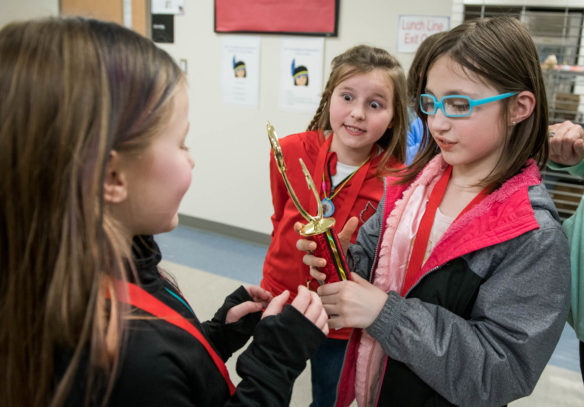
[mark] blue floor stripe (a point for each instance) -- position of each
(214, 253)
(243, 261)
(566, 353)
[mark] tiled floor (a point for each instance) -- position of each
(208, 266)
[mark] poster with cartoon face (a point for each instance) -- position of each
(299, 74)
(240, 70)
(301, 68)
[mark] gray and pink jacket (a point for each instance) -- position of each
(482, 317)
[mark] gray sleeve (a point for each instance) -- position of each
(361, 254)
(498, 355)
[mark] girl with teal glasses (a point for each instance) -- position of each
(460, 282)
(456, 105)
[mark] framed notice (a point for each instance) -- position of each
(303, 17)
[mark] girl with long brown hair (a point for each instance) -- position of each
(93, 162)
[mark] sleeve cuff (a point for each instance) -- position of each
(386, 319)
(577, 169)
(237, 297)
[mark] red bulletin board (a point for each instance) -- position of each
(306, 17)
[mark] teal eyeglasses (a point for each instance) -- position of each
(456, 105)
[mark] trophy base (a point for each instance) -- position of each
(328, 247)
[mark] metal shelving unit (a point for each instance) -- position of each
(557, 33)
(565, 189)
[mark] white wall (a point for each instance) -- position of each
(11, 10)
(229, 143)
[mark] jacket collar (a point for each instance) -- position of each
(146, 258)
(503, 215)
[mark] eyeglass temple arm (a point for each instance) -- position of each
(491, 99)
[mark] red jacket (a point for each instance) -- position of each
(283, 267)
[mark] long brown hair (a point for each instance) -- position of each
(414, 73)
(72, 90)
(500, 51)
(362, 59)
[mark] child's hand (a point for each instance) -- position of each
(310, 305)
(277, 304)
(352, 303)
(306, 302)
(260, 299)
(311, 260)
(566, 143)
(260, 295)
(309, 246)
(345, 234)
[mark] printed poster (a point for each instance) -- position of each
(240, 70)
(301, 70)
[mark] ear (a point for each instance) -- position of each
(115, 189)
(521, 107)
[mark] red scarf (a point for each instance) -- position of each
(140, 298)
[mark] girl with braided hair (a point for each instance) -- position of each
(357, 135)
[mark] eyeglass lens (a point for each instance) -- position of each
(452, 105)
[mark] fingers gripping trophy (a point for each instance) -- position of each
(318, 228)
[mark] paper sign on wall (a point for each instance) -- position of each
(301, 74)
(168, 7)
(240, 66)
(412, 30)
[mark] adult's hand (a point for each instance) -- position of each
(566, 143)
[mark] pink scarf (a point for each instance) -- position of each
(394, 253)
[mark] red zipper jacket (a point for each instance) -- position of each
(283, 267)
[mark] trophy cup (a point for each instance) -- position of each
(319, 228)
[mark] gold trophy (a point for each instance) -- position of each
(318, 228)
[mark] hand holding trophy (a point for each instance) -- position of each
(319, 228)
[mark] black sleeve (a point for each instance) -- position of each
(277, 355)
(227, 338)
(162, 365)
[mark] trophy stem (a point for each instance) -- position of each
(318, 227)
(280, 163)
(329, 248)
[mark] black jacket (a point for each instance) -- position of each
(163, 365)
